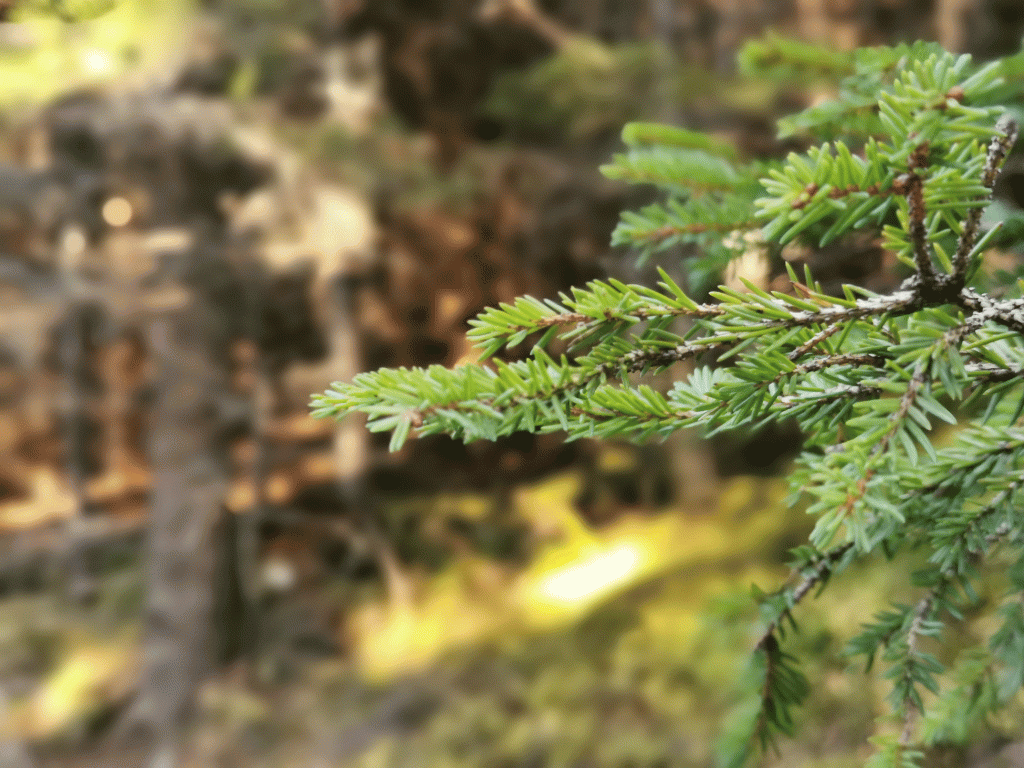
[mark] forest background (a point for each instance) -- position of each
(209, 211)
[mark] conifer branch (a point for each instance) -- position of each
(865, 376)
(674, 230)
(933, 599)
(848, 391)
(983, 374)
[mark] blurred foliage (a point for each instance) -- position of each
(86, 43)
(389, 163)
(588, 89)
(631, 677)
(65, 668)
(270, 15)
(792, 61)
(636, 678)
(92, 674)
(72, 10)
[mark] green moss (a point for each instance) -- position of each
(637, 678)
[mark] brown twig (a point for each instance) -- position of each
(814, 341)
(697, 228)
(911, 185)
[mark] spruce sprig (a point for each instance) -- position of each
(909, 152)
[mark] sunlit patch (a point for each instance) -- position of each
(575, 570)
(591, 577)
(88, 679)
(97, 62)
(74, 242)
(117, 212)
(48, 501)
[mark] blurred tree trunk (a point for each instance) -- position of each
(74, 362)
(78, 583)
(186, 509)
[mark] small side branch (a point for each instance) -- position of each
(906, 403)
(639, 359)
(912, 186)
(845, 391)
(986, 373)
(1009, 313)
(911, 710)
(697, 228)
(815, 340)
(998, 148)
(830, 361)
(917, 380)
(783, 685)
(926, 607)
(819, 572)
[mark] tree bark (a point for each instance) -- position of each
(189, 487)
